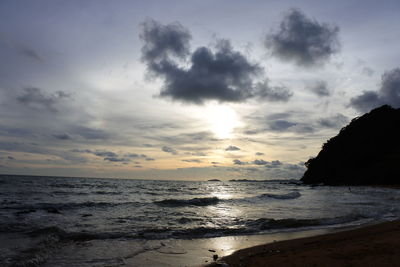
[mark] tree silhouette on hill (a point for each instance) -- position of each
(365, 152)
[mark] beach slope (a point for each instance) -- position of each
(376, 245)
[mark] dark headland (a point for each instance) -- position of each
(365, 152)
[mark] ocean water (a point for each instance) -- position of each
(109, 222)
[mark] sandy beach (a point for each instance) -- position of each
(375, 245)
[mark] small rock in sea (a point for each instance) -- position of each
(162, 244)
(215, 257)
(211, 250)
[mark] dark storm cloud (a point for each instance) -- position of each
(303, 40)
(320, 88)
(388, 93)
(224, 74)
(232, 148)
(34, 98)
(337, 121)
(169, 150)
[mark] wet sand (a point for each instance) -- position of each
(376, 245)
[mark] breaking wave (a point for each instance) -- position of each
(205, 201)
(291, 195)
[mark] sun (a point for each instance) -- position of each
(222, 120)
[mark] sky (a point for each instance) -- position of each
(190, 90)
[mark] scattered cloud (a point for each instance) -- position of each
(280, 125)
(62, 136)
(303, 40)
(192, 160)
(239, 162)
(259, 154)
(336, 121)
(222, 74)
(260, 162)
(169, 150)
(163, 41)
(232, 148)
(114, 159)
(34, 98)
(320, 88)
(388, 93)
(30, 53)
(367, 71)
(273, 164)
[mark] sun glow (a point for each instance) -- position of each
(222, 120)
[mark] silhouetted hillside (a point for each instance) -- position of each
(367, 151)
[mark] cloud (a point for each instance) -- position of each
(302, 40)
(62, 136)
(163, 41)
(337, 121)
(273, 94)
(134, 155)
(192, 160)
(273, 164)
(239, 162)
(280, 125)
(169, 150)
(150, 159)
(320, 88)
(112, 156)
(114, 159)
(104, 154)
(34, 98)
(260, 162)
(367, 71)
(197, 153)
(259, 154)
(388, 93)
(222, 74)
(90, 133)
(30, 53)
(232, 148)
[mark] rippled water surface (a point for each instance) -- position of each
(51, 212)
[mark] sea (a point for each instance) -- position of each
(66, 221)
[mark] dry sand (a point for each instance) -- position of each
(376, 245)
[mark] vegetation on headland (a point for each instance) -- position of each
(365, 152)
